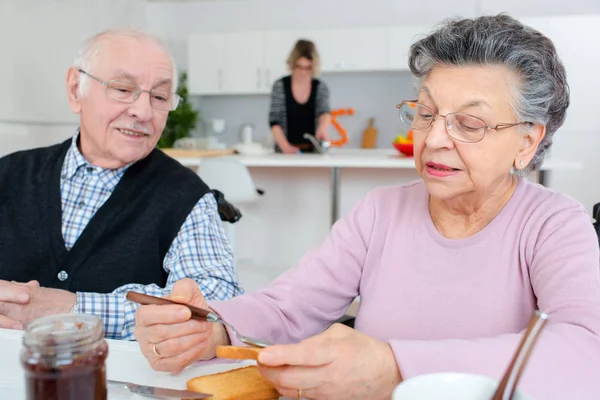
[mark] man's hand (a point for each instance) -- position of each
(169, 338)
(20, 303)
(338, 364)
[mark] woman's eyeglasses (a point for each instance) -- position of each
(462, 127)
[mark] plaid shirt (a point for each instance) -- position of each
(200, 251)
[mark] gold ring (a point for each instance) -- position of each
(299, 393)
(155, 352)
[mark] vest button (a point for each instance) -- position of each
(62, 276)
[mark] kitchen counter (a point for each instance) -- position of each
(348, 158)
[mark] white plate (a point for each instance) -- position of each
(125, 363)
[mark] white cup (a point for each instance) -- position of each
(449, 386)
(246, 134)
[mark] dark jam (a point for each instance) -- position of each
(65, 360)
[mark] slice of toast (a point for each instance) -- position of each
(238, 352)
(244, 383)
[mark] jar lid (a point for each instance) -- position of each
(63, 330)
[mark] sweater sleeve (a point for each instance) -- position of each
(277, 111)
(565, 276)
(322, 100)
(311, 296)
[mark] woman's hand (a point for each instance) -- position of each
(340, 363)
(169, 339)
(322, 135)
(289, 149)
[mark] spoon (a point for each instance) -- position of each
(508, 384)
(197, 313)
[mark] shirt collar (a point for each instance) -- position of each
(75, 161)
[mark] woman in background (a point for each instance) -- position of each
(300, 102)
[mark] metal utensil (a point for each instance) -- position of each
(321, 147)
(197, 313)
(158, 392)
(508, 384)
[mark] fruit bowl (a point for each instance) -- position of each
(404, 148)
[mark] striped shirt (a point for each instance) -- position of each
(278, 112)
(200, 250)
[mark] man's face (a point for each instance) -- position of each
(114, 133)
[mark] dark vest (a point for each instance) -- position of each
(124, 242)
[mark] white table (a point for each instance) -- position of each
(337, 159)
(125, 363)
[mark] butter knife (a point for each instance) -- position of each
(158, 392)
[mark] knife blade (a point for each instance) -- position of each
(158, 392)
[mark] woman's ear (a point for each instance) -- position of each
(529, 145)
(73, 90)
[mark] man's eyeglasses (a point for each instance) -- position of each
(462, 127)
(128, 92)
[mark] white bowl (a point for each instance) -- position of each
(449, 386)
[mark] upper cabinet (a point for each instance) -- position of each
(205, 63)
(250, 62)
(360, 49)
(243, 70)
(229, 63)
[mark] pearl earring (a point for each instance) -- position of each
(522, 163)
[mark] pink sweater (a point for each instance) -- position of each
(450, 304)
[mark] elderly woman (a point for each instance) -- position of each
(449, 269)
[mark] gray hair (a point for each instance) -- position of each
(91, 48)
(542, 95)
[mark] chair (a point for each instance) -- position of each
(233, 179)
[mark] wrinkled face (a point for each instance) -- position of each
(451, 168)
(303, 67)
(113, 133)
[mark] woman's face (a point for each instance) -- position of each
(451, 168)
(303, 67)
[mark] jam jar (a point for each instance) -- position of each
(64, 358)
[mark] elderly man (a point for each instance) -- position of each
(85, 221)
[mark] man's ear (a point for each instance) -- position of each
(73, 90)
(529, 145)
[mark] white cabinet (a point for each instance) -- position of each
(399, 40)
(205, 62)
(227, 63)
(242, 63)
(359, 49)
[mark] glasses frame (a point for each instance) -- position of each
(497, 127)
(304, 68)
(176, 98)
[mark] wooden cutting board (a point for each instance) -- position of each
(182, 153)
(369, 138)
